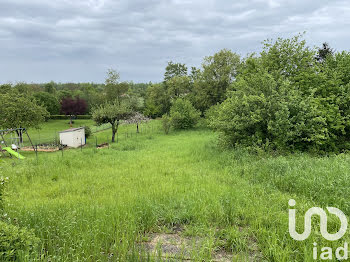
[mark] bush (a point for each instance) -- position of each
(67, 117)
(88, 131)
(263, 113)
(166, 123)
(16, 244)
(183, 115)
(3, 182)
(284, 100)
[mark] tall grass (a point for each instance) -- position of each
(100, 205)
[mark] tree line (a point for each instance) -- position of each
(287, 97)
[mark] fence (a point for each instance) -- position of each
(50, 138)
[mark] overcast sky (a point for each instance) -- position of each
(78, 40)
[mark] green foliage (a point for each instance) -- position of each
(48, 101)
(60, 117)
(183, 114)
(50, 87)
(157, 100)
(178, 86)
(19, 111)
(88, 131)
(174, 69)
(166, 123)
(5, 88)
(114, 89)
(284, 100)
(16, 244)
(219, 72)
(323, 52)
(112, 113)
(3, 182)
(222, 199)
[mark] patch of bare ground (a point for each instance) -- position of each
(104, 145)
(175, 247)
(41, 149)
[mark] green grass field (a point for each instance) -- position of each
(107, 204)
(49, 131)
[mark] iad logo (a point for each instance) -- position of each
(323, 226)
(326, 251)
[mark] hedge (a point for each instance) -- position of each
(60, 117)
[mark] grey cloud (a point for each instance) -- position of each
(78, 40)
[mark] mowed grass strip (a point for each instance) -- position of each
(101, 205)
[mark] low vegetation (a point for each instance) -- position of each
(98, 205)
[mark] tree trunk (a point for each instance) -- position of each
(137, 127)
(70, 122)
(114, 130)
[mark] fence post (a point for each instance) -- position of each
(36, 153)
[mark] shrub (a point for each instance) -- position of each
(183, 115)
(285, 100)
(88, 131)
(263, 113)
(16, 244)
(166, 123)
(65, 117)
(3, 182)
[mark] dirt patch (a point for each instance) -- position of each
(41, 149)
(174, 247)
(104, 145)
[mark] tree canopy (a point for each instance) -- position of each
(112, 112)
(19, 111)
(285, 100)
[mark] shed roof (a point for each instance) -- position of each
(71, 130)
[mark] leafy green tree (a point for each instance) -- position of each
(178, 86)
(19, 111)
(285, 100)
(157, 100)
(5, 88)
(195, 73)
(112, 112)
(48, 101)
(114, 89)
(323, 52)
(23, 88)
(219, 71)
(261, 112)
(64, 93)
(174, 69)
(50, 87)
(183, 115)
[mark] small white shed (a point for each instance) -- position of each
(73, 137)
